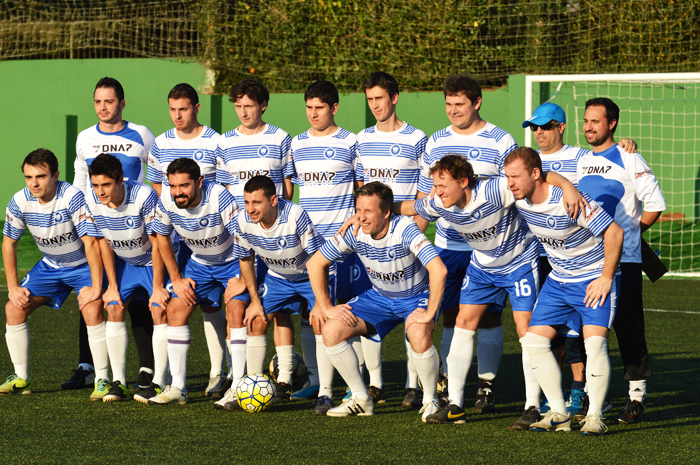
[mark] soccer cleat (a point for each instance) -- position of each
(348, 395)
(81, 379)
(544, 406)
(377, 394)
(284, 392)
(361, 408)
(307, 392)
(228, 402)
(215, 384)
(450, 413)
(631, 413)
(429, 409)
(484, 397)
(146, 394)
(573, 404)
(323, 405)
(552, 421)
(145, 380)
(411, 399)
(170, 395)
(593, 426)
(221, 392)
(14, 384)
(583, 411)
(102, 387)
(530, 416)
(116, 393)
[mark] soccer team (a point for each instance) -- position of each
(218, 229)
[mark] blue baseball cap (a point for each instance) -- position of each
(546, 113)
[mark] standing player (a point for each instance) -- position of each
(627, 189)
(584, 253)
(130, 143)
(57, 217)
(408, 280)
(200, 212)
(190, 139)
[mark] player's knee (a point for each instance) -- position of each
(596, 346)
(332, 333)
(536, 344)
(259, 327)
(115, 313)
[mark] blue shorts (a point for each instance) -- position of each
(131, 279)
(212, 280)
(456, 262)
(293, 306)
(56, 283)
(558, 302)
(384, 313)
(344, 277)
(276, 294)
(360, 280)
(521, 284)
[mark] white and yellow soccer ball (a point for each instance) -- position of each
(255, 392)
(300, 374)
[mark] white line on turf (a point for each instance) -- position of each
(658, 310)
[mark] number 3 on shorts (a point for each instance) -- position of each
(522, 288)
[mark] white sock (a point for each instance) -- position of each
(160, 353)
(532, 387)
(308, 350)
(325, 369)
(229, 360)
(373, 361)
(428, 368)
(117, 340)
(445, 344)
(256, 351)
(356, 343)
(461, 353)
(17, 337)
(344, 360)
(489, 348)
(98, 347)
(239, 339)
(638, 389)
(597, 372)
(546, 369)
(215, 332)
(178, 345)
(285, 363)
(411, 373)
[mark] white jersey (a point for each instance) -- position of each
(285, 247)
(240, 157)
(130, 145)
(168, 147)
(574, 245)
(56, 226)
(127, 228)
(324, 169)
(490, 224)
(563, 161)
(620, 182)
(485, 150)
(207, 228)
(393, 158)
(395, 263)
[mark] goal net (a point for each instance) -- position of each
(660, 113)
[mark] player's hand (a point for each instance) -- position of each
(343, 314)
(418, 316)
(88, 294)
(254, 310)
(184, 289)
(354, 220)
(234, 287)
(431, 196)
(597, 291)
(574, 201)
(160, 297)
(112, 295)
(628, 145)
(19, 296)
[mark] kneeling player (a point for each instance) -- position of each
(408, 281)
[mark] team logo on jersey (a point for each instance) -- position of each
(245, 175)
(356, 272)
(323, 178)
(473, 153)
(480, 236)
(551, 222)
(476, 215)
(198, 155)
(383, 173)
(55, 241)
(263, 151)
(280, 262)
(282, 242)
(556, 166)
(204, 222)
(57, 217)
(129, 244)
(395, 150)
(642, 173)
(130, 223)
(112, 148)
(390, 253)
(551, 243)
(329, 153)
(595, 169)
(203, 243)
(391, 277)
(8, 219)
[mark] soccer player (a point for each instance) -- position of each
(282, 235)
(408, 280)
(57, 217)
(627, 189)
(190, 139)
(322, 164)
(123, 212)
(390, 152)
(200, 212)
(130, 143)
(584, 253)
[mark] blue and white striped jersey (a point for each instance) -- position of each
(489, 223)
(56, 226)
(574, 245)
(395, 263)
(285, 247)
(240, 157)
(207, 228)
(393, 158)
(130, 145)
(168, 147)
(324, 169)
(620, 182)
(563, 161)
(128, 226)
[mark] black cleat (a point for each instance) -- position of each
(583, 411)
(484, 397)
(81, 379)
(448, 414)
(117, 393)
(631, 413)
(150, 392)
(411, 399)
(284, 392)
(221, 392)
(323, 405)
(530, 416)
(377, 394)
(145, 380)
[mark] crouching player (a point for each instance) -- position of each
(584, 252)
(408, 280)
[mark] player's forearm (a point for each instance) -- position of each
(158, 187)
(287, 189)
(406, 208)
(247, 265)
(108, 263)
(648, 219)
(557, 180)
(612, 249)
(157, 263)
(94, 259)
(317, 268)
(9, 259)
(168, 255)
(437, 272)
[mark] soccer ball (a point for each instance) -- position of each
(300, 374)
(255, 392)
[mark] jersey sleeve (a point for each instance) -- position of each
(289, 169)
(506, 194)
(337, 247)
(359, 169)
(222, 174)
(425, 182)
(414, 240)
(228, 209)
(594, 219)
(425, 208)
(286, 149)
(80, 167)
(506, 145)
(154, 173)
(241, 247)
(81, 216)
(420, 148)
(148, 211)
(162, 224)
(310, 240)
(148, 139)
(645, 184)
(14, 221)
